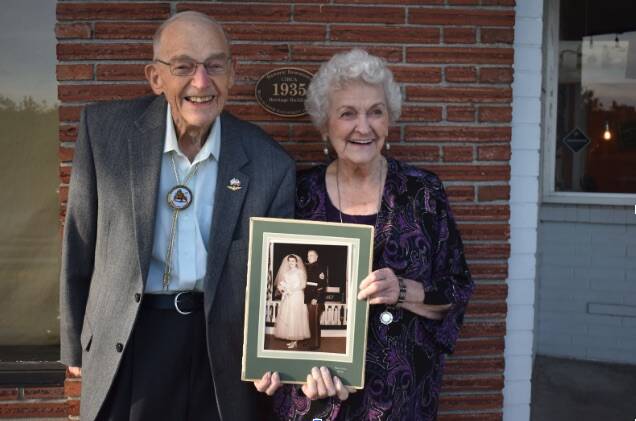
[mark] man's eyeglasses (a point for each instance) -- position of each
(187, 67)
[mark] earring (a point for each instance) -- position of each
(387, 146)
(326, 148)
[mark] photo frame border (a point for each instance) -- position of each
(295, 368)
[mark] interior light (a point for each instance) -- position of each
(607, 134)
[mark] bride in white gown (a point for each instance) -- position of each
(292, 322)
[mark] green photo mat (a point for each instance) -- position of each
(294, 365)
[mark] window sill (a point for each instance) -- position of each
(582, 198)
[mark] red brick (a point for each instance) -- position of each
(69, 113)
(497, 35)
(65, 173)
(305, 133)
(482, 213)
(490, 292)
(469, 366)
(415, 152)
(485, 231)
(420, 113)
(65, 153)
(495, 114)
(400, 2)
(72, 387)
(461, 193)
(329, 14)
(125, 30)
(323, 53)
(460, 113)
(494, 153)
(74, 71)
(68, 52)
(458, 154)
(393, 35)
(101, 92)
(488, 271)
(43, 393)
(280, 132)
(308, 152)
(72, 30)
(464, 17)
(457, 133)
(73, 407)
(460, 74)
(472, 172)
(252, 112)
(495, 75)
(481, 347)
(112, 11)
(481, 416)
(240, 12)
(417, 74)
(487, 251)
(455, 94)
(33, 410)
(67, 132)
(471, 403)
(130, 72)
(491, 193)
(483, 329)
(459, 55)
(62, 194)
(463, 2)
(455, 383)
(276, 32)
(261, 52)
(459, 35)
(498, 2)
(8, 393)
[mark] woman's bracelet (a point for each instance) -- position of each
(402, 294)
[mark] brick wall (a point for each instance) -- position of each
(454, 59)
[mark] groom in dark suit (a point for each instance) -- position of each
(156, 236)
(315, 291)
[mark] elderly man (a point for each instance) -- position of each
(156, 235)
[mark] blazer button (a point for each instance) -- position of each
(137, 297)
(119, 347)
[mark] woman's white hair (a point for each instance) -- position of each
(353, 66)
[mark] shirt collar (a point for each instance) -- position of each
(212, 145)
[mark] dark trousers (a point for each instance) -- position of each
(165, 372)
(315, 310)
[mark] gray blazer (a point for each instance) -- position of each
(108, 238)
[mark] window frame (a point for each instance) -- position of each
(550, 97)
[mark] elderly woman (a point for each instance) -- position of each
(420, 285)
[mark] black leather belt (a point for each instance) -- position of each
(183, 302)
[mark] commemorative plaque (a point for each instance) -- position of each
(282, 91)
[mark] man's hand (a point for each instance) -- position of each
(75, 371)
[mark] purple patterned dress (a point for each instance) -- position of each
(416, 236)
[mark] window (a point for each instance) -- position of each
(590, 113)
(29, 225)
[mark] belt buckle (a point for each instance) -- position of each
(176, 304)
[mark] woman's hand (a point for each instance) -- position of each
(320, 384)
(380, 287)
(268, 384)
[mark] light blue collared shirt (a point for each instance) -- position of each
(189, 254)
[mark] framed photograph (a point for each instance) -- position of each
(301, 306)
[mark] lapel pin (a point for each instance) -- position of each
(235, 184)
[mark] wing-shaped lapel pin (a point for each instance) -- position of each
(235, 184)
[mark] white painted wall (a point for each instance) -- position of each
(524, 204)
(586, 280)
